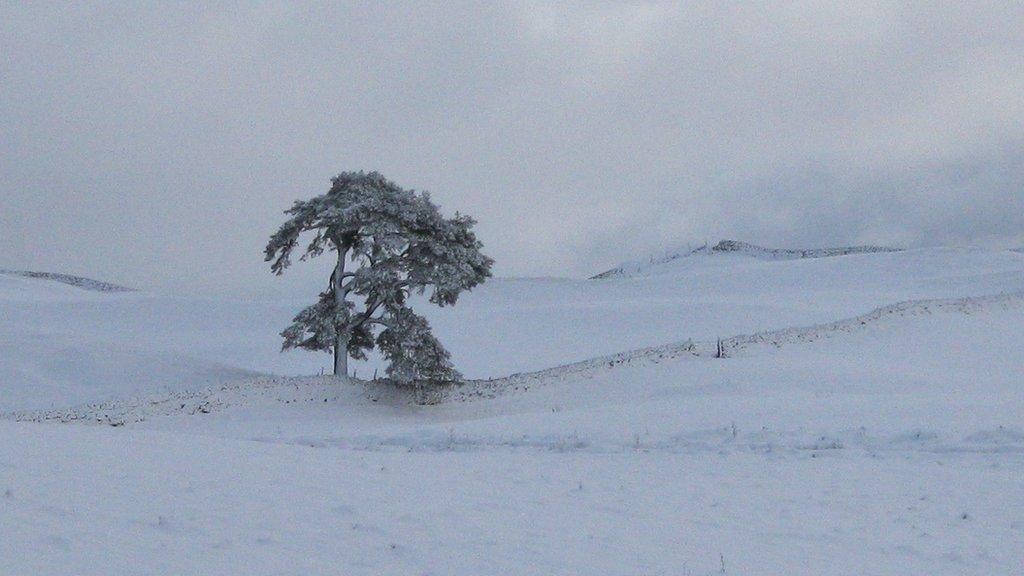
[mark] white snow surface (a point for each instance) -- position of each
(868, 418)
(57, 342)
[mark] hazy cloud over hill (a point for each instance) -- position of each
(157, 145)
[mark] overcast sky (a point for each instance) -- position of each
(157, 145)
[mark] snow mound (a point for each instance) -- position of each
(48, 370)
(738, 248)
(492, 388)
(76, 281)
(90, 342)
(271, 390)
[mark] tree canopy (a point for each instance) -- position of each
(390, 243)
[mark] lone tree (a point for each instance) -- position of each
(390, 243)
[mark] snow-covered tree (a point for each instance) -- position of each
(390, 243)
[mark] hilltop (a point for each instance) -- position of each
(738, 248)
(76, 281)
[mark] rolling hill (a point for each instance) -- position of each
(866, 416)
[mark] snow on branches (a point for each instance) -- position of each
(390, 243)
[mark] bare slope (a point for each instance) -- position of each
(76, 281)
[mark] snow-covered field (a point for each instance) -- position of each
(842, 434)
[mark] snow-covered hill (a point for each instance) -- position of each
(915, 333)
(736, 248)
(60, 343)
(63, 344)
(880, 445)
(510, 326)
(867, 417)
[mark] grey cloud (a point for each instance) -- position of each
(157, 146)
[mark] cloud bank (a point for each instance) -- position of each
(157, 146)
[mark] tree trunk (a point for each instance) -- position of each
(341, 339)
(340, 358)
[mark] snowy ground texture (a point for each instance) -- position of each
(868, 418)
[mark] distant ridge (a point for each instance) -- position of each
(76, 281)
(752, 250)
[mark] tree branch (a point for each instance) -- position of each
(366, 317)
(345, 288)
